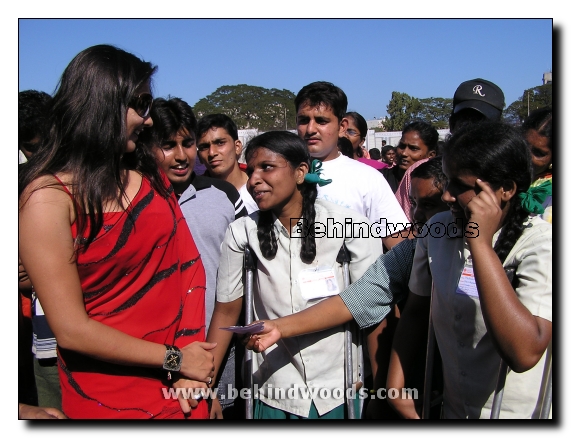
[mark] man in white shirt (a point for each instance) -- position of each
(321, 108)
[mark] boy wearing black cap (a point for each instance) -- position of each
(474, 101)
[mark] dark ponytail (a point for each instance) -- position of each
(498, 154)
(308, 249)
(295, 151)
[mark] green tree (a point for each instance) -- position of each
(436, 110)
(251, 107)
(538, 97)
(401, 109)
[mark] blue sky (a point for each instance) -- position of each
(367, 58)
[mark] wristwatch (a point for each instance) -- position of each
(173, 358)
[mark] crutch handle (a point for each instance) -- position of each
(249, 259)
(343, 256)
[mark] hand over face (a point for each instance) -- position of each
(485, 210)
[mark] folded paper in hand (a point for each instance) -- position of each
(243, 330)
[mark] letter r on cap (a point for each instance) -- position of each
(478, 90)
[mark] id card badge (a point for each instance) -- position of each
(467, 283)
(318, 282)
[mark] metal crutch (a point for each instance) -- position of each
(249, 267)
(503, 371)
(428, 371)
(344, 258)
(361, 362)
(499, 392)
(429, 368)
(545, 389)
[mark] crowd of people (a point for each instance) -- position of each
(131, 265)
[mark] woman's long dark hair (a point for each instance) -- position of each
(88, 135)
(498, 154)
(295, 151)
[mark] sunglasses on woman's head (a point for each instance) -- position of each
(142, 104)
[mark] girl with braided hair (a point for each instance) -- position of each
(296, 240)
(480, 315)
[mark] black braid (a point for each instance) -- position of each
(308, 248)
(266, 235)
(512, 230)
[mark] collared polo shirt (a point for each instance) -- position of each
(384, 284)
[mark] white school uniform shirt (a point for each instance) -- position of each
(314, 360)
(364, 189)
(470, 361)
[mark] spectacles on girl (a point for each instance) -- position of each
(142, 104)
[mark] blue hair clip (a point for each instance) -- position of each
(312, 177)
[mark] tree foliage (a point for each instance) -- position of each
(436, 110)
(539, 97)
(251, 107)
(403, 108)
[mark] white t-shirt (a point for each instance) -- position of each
(249, 202)
(364, 189)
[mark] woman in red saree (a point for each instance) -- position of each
(109, 253)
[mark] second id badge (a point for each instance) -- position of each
(318, 282)
(467, 283)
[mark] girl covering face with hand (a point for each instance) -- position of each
(480, 315)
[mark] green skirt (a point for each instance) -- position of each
(264, 412)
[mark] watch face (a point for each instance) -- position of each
(172, 361)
